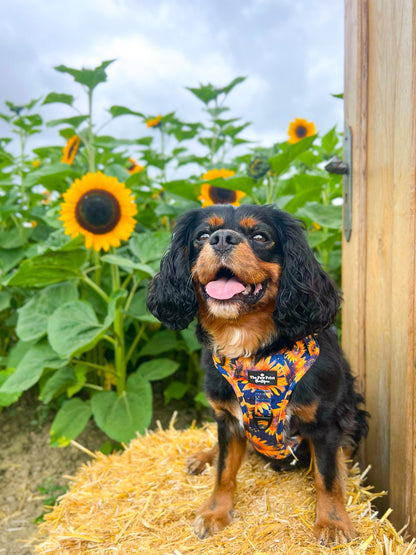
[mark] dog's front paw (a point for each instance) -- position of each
(197, 463)
(334, 532)
(211, 521)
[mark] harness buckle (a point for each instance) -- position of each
(262, 412)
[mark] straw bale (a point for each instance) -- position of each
(143, 501)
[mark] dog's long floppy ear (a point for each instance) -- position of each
(171, 297)
(307, 300)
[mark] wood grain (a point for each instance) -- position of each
(379, 261)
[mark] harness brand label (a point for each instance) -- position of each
(257, 377)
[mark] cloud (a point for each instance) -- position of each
(290, 51)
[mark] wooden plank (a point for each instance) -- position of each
(379, 262)
(380, 202)
(401, 387)
(354, 251)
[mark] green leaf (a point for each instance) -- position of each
(59, 97)
(106, 141)
(88, 77)
(206, 93)
(69, 422)
(114, 302)
(9, 259)
(160, 343)
(201, 398)
(138, 309)
(49, 268)
(326, 216)
(233, 131)
(12, 239)
(122, 416)
(128, 264)
(5, 299)
(301, 198)
(157, 368)
(17, 352)
(80, 372)
(33, 317)
(74, 328)
(27, 123)
(149, 246)
(330, 140)
(57, 384)
(117, 111)
(183, 188)
(29, 370)
(74, 121)
(48, 175)
(281, 162)
(189, 337)
(7, 399)
(233, 83)
(175, 390)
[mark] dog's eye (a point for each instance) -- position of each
(260, 237)
(203, 236)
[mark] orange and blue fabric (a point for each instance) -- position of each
(263, 388)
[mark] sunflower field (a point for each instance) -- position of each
(84, 223)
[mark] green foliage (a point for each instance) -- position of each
(74, 323)
(51, 493)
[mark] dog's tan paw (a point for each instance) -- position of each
(210, 522)
(334, 533)
(197, 463)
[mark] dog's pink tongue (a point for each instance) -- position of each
(224, 288)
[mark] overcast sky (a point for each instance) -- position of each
(290, 50)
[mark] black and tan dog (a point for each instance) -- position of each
(274, 371)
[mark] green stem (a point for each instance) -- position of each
(91, 149)
(127, 280)
(131, 294)
(118, 326)
(92, 386)
(215, 135)
(110, 339)
(93, 365)
(96, 287)
(162, 152)
(135, 342)
(97, 269)
(21, 162)
(17, 224)
(269, 189)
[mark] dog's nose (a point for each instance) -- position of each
(223, 240)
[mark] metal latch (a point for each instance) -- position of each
(344, 167)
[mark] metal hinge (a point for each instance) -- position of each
(344, 167)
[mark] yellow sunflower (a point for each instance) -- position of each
(133, 166)
(101, 209)
(36, 163)
(70, 149)
(218, 195)
(299, 129)
(154, 122)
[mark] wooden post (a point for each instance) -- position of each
(379, 261)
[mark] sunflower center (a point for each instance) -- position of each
(219, 195)
(98, 211)
(301, 131)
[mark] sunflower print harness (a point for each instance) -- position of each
(263, 389)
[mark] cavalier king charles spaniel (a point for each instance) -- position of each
(275, 374)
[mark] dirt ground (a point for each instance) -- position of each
(28, 463)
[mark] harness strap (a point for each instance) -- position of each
(263, 389)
